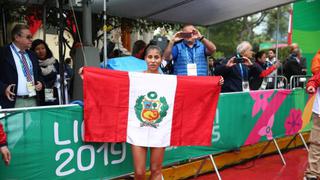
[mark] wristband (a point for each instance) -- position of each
(201, 38)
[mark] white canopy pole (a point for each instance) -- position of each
(277, 45)
(105, 27)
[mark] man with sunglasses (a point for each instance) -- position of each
(19, 71)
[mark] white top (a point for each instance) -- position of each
(22, 80)
(316, 104)
(273, 62)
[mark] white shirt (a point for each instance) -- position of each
(316, 104)
(22, 80)
(273, 62)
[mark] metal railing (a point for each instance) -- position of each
(299, 81)
(275, 82)
(66, 92)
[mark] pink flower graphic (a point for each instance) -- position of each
(264, 124)
(261, 100)
(267, 130)
(293, 122)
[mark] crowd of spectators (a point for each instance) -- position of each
(29, 72)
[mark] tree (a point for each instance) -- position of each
(271, 21)
(228, 35)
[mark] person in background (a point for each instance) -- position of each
(313, 169)
(237, 70)
(49, 70)
(68, 64)
(295, 64)
(188, 50)
(138, 49)
(211, 66)
(110, 47)
(272, 60)
(295, 49)
(6, 156)
(20, 79)
(116, 53)
(258, 79)
(271, 57)
(70, 72)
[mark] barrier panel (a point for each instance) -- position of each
(46, 143)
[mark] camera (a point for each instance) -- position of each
(185, 35)
(238, 59)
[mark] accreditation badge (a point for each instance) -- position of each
(280, 84)
(31, 89)
(192, 69)
(245, 86)
(264, 84)
(48, 94)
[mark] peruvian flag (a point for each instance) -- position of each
(151, 110)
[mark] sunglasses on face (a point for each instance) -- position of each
(29, 37)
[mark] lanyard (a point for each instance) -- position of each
(243, 72)
(21, 63)
(193, 55)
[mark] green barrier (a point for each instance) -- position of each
(46, 143)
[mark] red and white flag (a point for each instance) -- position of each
(290, 27)
(150, 110)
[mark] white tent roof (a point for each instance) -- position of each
(199, 12)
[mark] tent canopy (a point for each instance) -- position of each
(198, 12)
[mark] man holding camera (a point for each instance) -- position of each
(237, 70)
(188, 50)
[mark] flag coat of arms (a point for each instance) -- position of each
(150, 110)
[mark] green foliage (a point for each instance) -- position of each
(271, 21)
(218, 54)
(225, 36)
(228, 35)
(283, 53)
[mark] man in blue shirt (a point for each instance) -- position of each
(188, 50)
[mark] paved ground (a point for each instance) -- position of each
(266, 168)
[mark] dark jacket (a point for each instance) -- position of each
(293, 67)
(49, 82)
(260, 72)
(9, 74)
(255, 81)
(232, 76)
